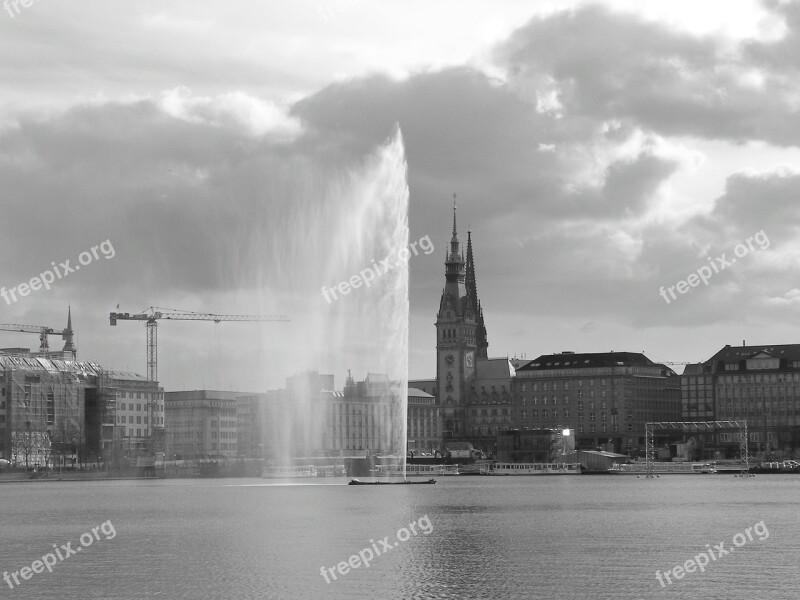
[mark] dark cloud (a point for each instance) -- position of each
(612, 65)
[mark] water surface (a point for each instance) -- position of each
(505, 537)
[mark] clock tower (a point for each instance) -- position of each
(460, 338)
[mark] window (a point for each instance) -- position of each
(591, 416)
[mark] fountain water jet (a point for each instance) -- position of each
(337, 227)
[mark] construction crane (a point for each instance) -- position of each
(153, 314)
(44, 332)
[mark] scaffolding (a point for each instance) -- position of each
(697, 426)
(107, 404)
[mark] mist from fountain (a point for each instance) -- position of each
(332, 226)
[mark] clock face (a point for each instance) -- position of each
(449, 360)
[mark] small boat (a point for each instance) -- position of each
(358, 482)
(532, 469)
(332, 471)
(298, 471)
(414, 470)
(663, 468)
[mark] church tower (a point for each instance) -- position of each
(458, 337)
(67, 335)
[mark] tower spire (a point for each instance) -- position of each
(67, 336)
(455, 230)
(475, 304)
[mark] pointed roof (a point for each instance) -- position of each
(472, 295)
(67, 335)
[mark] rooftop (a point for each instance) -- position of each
(588, 360)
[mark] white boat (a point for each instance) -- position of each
(332, 471)
(284, 472)
(415, 470)
(532, 469)
(663, 468)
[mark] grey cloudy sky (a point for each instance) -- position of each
(599, 152)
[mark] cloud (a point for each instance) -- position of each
(235, 110)
(612, 65)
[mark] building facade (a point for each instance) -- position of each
(424, 430)
(489, 405)
(201, 424)
(605, 398)
(73, 412)
(250, 439)
(139, 413)
(759, 384)
(310, 419)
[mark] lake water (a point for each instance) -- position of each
(591, 537)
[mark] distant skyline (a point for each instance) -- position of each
(601, 152)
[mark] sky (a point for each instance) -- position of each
(629, 171)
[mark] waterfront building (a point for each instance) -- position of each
(363, 416)
(201, 424)
(760, 384)
(250, 416)
(424, 432)
(606, 398)
(534, 445)
(73, 412)
(139, 413)
(489, 405)
(55, 409)
(309, 418)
